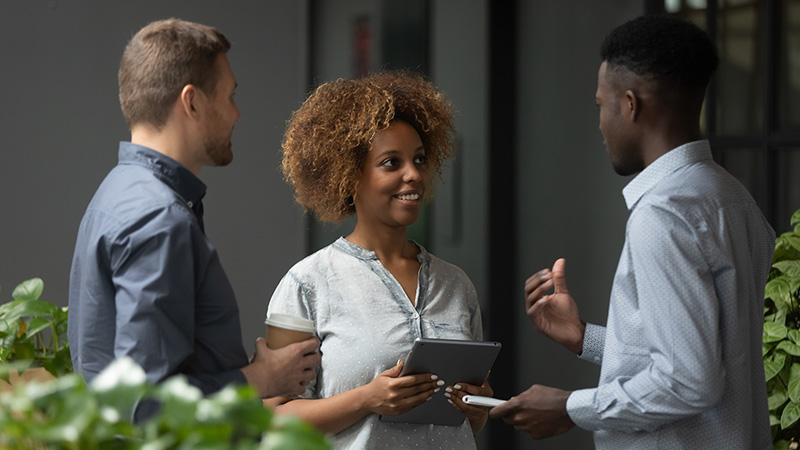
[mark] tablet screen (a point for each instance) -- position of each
(453, 361)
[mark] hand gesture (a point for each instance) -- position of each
(554, 315)
(389, 394)
(540, 411)
(476, 415)
(284, 371)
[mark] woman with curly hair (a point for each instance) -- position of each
(370, 147)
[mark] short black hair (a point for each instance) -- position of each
(663, 48)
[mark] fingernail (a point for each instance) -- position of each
(449, 390)
(434, 377)
(440, 383)
(458, 386)
(449, 401)
(399, 361)
(437, 390)
(447, 395)
(428, 399)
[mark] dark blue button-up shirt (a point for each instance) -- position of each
(147, 283)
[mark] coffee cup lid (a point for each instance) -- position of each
(290, 322)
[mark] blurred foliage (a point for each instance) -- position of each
(69, 414)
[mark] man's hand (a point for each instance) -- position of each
(285, 371)
(555, 315)
(540, 411)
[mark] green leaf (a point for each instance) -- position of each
(774, 364)
(777, 395)
(37, 324)
(290, 433)
(22, 350)
(29, 290)
(791, 268)
(794, 336)
(793, 239)
(766, 347)
(779, 289)
(789, 347)
(774, 331)
(793, 388)
(795, 217)
(790, 415)
(779, 445)
(774, 420)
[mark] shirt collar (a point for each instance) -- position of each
(362, 253)
(169, 171)
(669, 162)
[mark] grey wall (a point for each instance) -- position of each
(570, 199)
(60, 126)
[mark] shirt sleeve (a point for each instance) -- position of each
(153, 270)
(594, 338)
(683, 373)
(293, 298)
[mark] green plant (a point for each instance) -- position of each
(69, 414)
(33, 332)
(781, 339)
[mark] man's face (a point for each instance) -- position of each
(222, 114)
(616, 125)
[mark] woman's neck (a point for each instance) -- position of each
(389, 244)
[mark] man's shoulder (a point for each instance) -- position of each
(131, 199)
(130, 191)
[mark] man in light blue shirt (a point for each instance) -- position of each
(146, 282)
(680, 358)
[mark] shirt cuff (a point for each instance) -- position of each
(580, 408)
(594, 339)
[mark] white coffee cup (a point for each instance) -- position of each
(283, 329)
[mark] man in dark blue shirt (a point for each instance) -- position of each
(146, 282)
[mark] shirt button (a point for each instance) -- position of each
(190, 204)
(416, 316)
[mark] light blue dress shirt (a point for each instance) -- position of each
(365, 322)
(681, 357)
(147, 283)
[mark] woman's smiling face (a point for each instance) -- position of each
(394, 178)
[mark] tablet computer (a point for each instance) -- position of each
(453, 361)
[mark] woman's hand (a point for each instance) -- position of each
(390, 395)
(476, 415)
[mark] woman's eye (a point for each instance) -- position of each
(389, 162)
(420, 159)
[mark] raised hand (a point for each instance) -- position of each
(554, 315)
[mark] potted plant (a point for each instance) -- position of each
(33, 334)
(69, 414)
(781, 339)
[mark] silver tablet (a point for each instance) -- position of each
(453, 361)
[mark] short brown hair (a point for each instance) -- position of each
(328, 137)
(159, 61)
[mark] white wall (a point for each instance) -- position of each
(60, 125)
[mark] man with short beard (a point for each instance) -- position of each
(146, 282)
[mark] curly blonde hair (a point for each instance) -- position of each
(328, 137)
